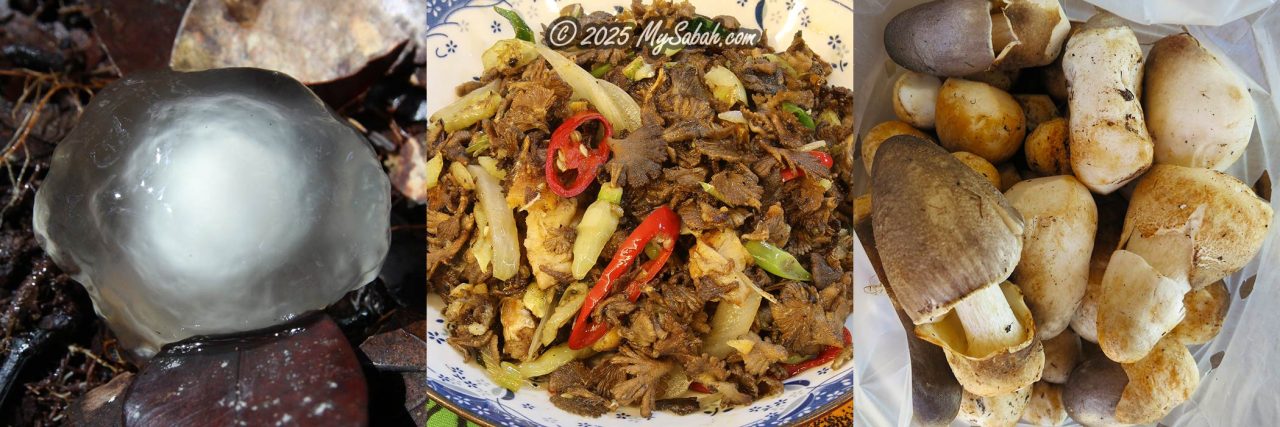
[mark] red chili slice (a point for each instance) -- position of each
(585, 165)
(826, 356)
(662, 224)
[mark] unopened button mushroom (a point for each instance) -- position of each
(1054, 268)
(881, 132)
(979, 118)
(915, 96)
(995, 411)
(1200, 113)
(212, 202)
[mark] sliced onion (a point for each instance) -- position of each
(725, 85)
(812, 145)
(460, 174)
(613, 103)
(434, 166)
(734, 116)
(508, 53)
(478, 105)
(502, 223)
(482, 246)
(503, 374)
(733, 317)
(490, 165)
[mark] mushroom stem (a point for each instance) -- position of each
(989, 323)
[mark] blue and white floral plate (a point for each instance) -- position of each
(458, 32)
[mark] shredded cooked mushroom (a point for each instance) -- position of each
(720, 175)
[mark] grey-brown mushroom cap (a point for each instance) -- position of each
(942, 231)
(942, 37)
(935, 392)
(1093, 391)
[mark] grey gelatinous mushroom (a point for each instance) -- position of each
(948, 240)
(212, 202)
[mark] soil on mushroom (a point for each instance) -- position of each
(50, 65)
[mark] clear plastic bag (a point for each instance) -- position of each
(1239, 391)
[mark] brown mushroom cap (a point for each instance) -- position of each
(942, 231)
(942, 37)
(1093, 391)
(935, 393)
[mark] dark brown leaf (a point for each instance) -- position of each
(409, 171)
(1263, 186)
(304, 372)
(138, 34)
(102, 406)
(402, 349)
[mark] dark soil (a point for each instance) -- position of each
(53, 347)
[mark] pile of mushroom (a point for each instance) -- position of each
(1061, 245)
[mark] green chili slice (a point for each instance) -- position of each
(803, 116)
(777, 261)
(517, 23)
